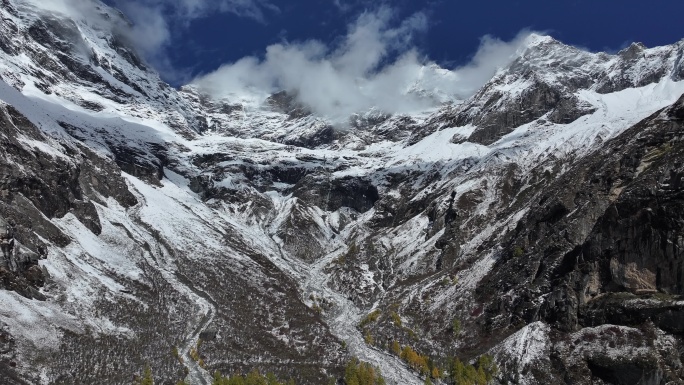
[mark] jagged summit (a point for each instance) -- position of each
(556, 81)
(537, 221)
(535, 39)
(100, 72)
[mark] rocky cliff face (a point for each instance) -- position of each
(545, 79)
(539, 221)
(602, 247)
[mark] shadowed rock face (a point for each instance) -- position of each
(8, 358)
(603, 246)
(333, 194)
(678, 73)
(597, 256)
(324, 135)
(545, 80)
(38, 188)
(287, 103)
(34, 184)
(622, 75)
(35, 188)
(25, 282)
(534, 102)
(576, 256)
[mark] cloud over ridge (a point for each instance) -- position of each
(151, 23)
(375, 65)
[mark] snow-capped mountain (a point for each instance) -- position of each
(542, 215)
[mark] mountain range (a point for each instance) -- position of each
(539, 222)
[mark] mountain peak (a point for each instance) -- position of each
(526, 220)
(634, 51)
(535, 39)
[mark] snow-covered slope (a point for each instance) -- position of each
(150, 218)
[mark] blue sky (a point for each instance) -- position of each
(341, 57)
(204, 34)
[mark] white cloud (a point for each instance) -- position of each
(77, 9)
(150, 31)
(146, 30)
(375, 65)
(492, 55)
(153, 21)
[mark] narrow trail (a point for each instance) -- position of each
(196, 374)
(344, 316)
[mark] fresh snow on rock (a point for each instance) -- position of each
(231, 193)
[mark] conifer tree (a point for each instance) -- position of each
(146, 378)
(396, 348)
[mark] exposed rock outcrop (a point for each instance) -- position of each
(168, 216)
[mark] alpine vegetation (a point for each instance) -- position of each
(354, 214)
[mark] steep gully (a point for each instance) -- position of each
(344, 315)
(342, 318)
(196, 375)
